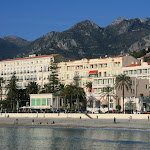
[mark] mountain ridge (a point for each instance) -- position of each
(87, 40)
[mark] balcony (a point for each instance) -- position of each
(102, 85)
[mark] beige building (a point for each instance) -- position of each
(100, 100)
(46, 101)
(84, 70)
(139, 70)
(101, 71)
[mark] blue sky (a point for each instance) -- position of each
(30, 19)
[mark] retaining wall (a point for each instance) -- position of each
(74, 115)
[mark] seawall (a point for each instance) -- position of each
(74, 115)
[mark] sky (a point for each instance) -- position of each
(30, 19)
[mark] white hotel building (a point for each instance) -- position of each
(32, 68)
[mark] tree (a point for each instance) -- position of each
(1, 90)
(80, 94)
(70, 93)
(91, 99)
(54, 84)
(123, 82)
(73, 92)
(118, 107)
(89, 86)
(22, 97)
(107, 93)
(32, 88)
(12, 94)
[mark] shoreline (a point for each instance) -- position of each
(72, 123)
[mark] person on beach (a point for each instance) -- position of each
(114, 120)
(53, 122)
(32, 121)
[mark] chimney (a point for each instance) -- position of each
(141, 60)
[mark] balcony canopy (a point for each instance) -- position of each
(93, 72)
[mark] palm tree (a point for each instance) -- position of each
(91, 99)
(64, 92)
(123, 82)
(32, 88)
(71, 92)
(1, 89)
(107, 93)
(79, 92)
(89, 86)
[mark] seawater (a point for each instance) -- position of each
(43, 138)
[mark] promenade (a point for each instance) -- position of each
(123, 121)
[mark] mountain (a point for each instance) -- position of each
(16, 41)
(129, 34)
(10, 46)
(77, 42)
(85, 40)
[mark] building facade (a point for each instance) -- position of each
(46, 101)
(98, 99)
(32, 68)
(139, 70)
(84, 70)
(101, 71)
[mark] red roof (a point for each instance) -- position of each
(138, 64)
(93, 72)
(30, 57)
(133, 65)
(146, 56)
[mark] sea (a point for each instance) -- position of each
(47, 138)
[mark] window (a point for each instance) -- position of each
(132, 91)
(104, 106)
(144, 70)
(100, 74)
(49, 101)
(32, 102)
(60, 102)
(111, 100)
(54, 103)
(91, 66)
(100, 65)
(95, 66)
(95, 82)
(111, 105)
(43, 101)
(105, 74)
(132, 82)
(146, 86)
(38, 102)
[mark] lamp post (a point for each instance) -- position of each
(67, 108)
(1, 102)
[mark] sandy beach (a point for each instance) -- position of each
(76, 123)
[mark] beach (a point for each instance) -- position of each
(141, 124)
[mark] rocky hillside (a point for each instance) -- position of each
(86, 40)
(11, 46)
